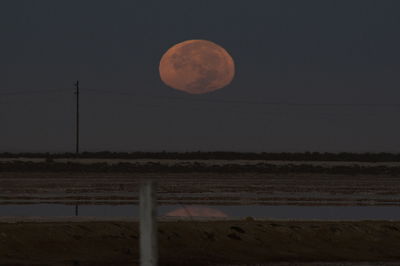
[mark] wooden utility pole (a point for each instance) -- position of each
(77, 116)
(148, 224)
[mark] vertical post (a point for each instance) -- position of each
(77, 117)
(148, 224)
(76, 209)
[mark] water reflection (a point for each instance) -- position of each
(196, 211)
(240, 211)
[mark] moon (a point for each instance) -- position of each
(197, 67)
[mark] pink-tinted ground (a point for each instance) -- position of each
(202, 188)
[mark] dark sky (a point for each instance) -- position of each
(332, 67)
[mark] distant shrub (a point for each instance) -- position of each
(54, 166)
(249, 219)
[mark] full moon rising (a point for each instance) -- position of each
(197, 67)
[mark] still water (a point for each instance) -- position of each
(240, 211)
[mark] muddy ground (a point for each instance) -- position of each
(245, 242)
(202, 188)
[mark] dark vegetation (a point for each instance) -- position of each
(220, 155)
(195, 167)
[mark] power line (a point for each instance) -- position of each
(295, 104)
(26, 92)
(218, 101)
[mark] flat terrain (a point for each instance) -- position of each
(245, 242)
(98, 242)
(202, 188)
(199, 161)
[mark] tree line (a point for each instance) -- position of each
(220, 155)
(196, 167)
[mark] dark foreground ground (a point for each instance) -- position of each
(246, 242)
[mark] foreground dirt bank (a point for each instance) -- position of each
(198, 242)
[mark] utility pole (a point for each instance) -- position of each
(77, 117)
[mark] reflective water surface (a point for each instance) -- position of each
(240, 211)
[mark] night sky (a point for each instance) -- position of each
(310, 75)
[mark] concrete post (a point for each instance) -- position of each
(148, 224)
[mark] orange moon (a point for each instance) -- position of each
(197, 67)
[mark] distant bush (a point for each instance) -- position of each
(52, 166)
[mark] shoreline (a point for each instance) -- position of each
(88, 219)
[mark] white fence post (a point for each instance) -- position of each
(148, 224)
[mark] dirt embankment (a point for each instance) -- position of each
(198, 243)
